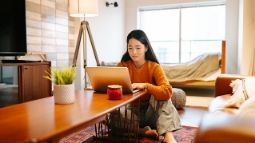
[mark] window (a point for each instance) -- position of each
(179, 34)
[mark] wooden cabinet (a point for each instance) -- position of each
(31, 82)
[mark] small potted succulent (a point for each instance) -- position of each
(63, 79)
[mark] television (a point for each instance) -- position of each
(13, 28)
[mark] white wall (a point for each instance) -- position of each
(231, 23)
(108, 32)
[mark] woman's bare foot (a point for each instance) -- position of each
(169, 138)
(152, 134)
(148, 132)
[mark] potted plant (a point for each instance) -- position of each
(63, 79)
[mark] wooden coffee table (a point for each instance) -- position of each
(44, 121)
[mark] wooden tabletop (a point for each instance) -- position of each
(43, 120)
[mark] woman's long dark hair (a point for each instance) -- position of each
(140, 36)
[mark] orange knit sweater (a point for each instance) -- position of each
(153, 75)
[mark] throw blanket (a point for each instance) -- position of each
(242, 91)
(196, 69)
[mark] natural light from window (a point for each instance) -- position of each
(178, 35)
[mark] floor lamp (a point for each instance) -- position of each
(82, 9)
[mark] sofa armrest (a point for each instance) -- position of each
(222, 83)
(225, 128)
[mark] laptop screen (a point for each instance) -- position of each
(100, 77)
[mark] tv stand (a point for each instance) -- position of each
(26, 84)
(17, 61)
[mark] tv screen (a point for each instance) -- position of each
(13, 28)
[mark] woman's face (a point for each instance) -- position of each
(136, 50)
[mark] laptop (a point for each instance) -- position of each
(100, 77)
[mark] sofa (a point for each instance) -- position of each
(221, 124)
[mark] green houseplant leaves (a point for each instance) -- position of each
(61, 76)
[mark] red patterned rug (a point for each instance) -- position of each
(185, 135)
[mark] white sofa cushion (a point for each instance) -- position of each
(247, 109)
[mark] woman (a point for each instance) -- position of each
(155, 108)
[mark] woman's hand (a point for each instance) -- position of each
(139, 86)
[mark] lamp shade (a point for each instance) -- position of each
(83, 8)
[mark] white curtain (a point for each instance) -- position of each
(252, 67)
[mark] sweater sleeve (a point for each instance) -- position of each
(162, 90)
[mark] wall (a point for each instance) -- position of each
(107, 31)
(231, 24)
(50, 30)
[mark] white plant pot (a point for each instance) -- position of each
(64, 94)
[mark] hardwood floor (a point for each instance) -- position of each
(191, 116)
(198, 101)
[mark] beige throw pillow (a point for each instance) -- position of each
(242, 90)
